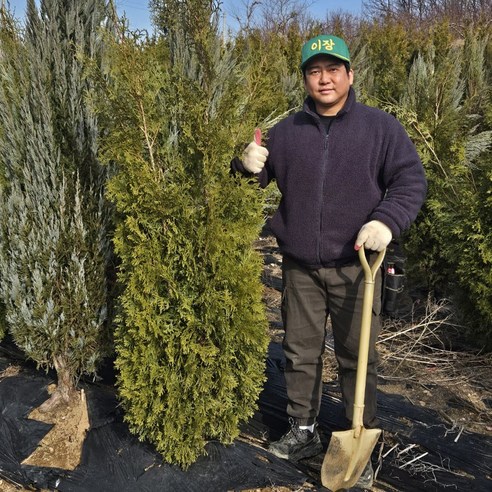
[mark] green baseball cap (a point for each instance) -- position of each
(325, 44)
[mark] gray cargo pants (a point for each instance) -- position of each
(309, 297)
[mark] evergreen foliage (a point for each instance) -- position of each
(53, 216)
(192, 335)
(450, 245)
(273, 75)
(191, 332)
(3, 326)
(9, 42)
(389, 47)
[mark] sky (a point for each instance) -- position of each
(139, 18)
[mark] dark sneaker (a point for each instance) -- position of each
(297, 444)
(365, 480)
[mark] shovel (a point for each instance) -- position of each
(349, 451)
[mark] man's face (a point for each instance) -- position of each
(327, 81)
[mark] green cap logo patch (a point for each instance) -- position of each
(325, 45)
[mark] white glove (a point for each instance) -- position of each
(374, 235)
(254, 157)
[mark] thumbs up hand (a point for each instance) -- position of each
(254, 155)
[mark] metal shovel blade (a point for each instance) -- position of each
(346, 457)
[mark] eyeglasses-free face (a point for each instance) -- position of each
(327, 81)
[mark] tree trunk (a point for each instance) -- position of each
(65, 390)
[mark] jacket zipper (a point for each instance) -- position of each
(323, 175)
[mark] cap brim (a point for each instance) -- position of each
(340, 57)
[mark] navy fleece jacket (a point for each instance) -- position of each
(366, 169)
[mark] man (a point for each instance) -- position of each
(349, 177)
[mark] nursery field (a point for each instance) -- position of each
(434, 406)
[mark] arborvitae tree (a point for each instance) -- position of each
(389, 47)
(192, 335)
(272, 72)
(54, 243)
(442, 96)
(451, 242)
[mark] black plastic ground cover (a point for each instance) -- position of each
(454, 461)
(114, 460)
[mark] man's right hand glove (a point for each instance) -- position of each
(374, 235)
(254, 157)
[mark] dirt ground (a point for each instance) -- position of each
(62, 445)
(456, 384)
